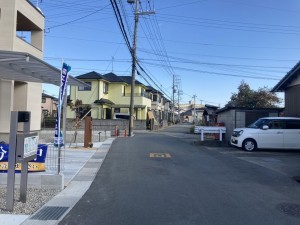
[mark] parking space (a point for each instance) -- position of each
(284, 161)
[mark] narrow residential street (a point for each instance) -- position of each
(162, 178)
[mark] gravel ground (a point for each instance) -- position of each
(36, 198)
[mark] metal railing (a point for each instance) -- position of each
(145, 95)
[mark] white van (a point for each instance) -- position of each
(269, 133)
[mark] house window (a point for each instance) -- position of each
(85, 88)
(43, 100)
(117, 110)
(124, 90)
(105, 88)
(154, 97)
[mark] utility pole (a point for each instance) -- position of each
(178, 92)
(134, 61)
(194, 96)
(173, 108)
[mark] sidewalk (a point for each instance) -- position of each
(80, 168)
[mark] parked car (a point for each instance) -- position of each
(123, 116)
(269, 133)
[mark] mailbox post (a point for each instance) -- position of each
(22, 148)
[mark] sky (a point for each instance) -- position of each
(207, 46)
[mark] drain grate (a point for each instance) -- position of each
(50, 213)
(160, 155)
(290, 209)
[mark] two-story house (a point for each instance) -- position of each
(20, 16)
(157, 103)
(49, 105)
(22, 69)
(110, 94)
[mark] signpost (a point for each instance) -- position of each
(22, 148)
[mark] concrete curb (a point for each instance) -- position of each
(45, 181)
(55, 210)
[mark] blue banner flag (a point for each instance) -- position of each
(58, 138)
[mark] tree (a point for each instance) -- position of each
(248, 98)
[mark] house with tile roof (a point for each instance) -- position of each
(49, 105)
(158, 103)
(109, 94)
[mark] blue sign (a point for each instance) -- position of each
(35, 165)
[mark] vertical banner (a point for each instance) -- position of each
(58, 138)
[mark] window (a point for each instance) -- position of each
(117, 110)
(293, 124)
(85, 88)
(105, 88)
(43, 100)
(276, 124)
(154, 97)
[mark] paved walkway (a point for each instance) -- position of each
(79, 169)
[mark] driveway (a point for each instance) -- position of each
(286, 162)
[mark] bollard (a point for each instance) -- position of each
(116, 131)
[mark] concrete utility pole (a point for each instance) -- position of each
(134, 61)
(133, 53)
(194, 96)
(173, 108)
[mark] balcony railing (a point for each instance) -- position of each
(145, 95)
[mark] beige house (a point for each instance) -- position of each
(22, 69)
(18, 16)
(49, 105)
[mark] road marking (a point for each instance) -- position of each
(160, 155)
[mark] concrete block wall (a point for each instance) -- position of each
(227, 118)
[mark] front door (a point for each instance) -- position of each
(108, 113)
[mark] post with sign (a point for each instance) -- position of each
(27, 145)
(22, 148)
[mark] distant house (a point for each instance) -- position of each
(290, 85)
(157, 104)
(192, 114)
(109, 94)
(210, 115)
(49, 105)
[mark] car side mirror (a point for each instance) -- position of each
(265, 127)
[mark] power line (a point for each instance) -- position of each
(80, 18)
(262, 77)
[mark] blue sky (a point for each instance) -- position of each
(209, 45)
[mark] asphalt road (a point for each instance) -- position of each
(196, 185)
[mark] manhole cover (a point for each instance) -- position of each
(289, 209)
(160, 155)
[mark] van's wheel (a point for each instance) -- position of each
(249, 145)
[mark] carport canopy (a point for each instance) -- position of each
(20, 66)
